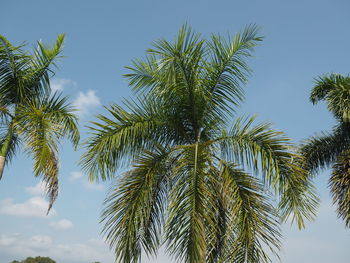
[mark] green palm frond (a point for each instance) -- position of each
(227, 70)
(189, 214)
(322, 150)
(218, 206)
(257, 147)
(339, 183)
(331, 149)
(335, 90)
(252, 218)
(37, 79)
(42, 123)
(134, 212)
(268, 152)
(13, 63)
(122, 137)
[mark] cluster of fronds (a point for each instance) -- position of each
(331, 149)
(29, 114)
(201, 187)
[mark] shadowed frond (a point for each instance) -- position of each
(322, 150)
(191, 199)
(268, 152)
(252, 220)
(339, 183)
(134, 212)
(335, 90)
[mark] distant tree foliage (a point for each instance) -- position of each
(35, 260)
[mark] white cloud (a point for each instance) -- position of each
(8, 240)
(93, 186)
(33, 207)
(38, 189)
(18, 246)
(40, 241)
(62, 224)
(78, 176)
(60, 84)
(75, 176)
(85, 101)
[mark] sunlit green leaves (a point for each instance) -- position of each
(213, 186)
(30, 114)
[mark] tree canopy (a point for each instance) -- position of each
(201, 180)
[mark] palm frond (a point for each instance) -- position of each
(339, 183)
(13, 62)
(119, 139)
(321, 151)
(37, 78)
(134, 212)
(190, 212)
(227, 70)
(335, 90)
(252, 220)
(42, 123)
(268, 152)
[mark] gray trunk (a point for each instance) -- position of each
(2, 165)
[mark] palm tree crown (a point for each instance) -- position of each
(333, 148)
(29, 114)
(194, 183)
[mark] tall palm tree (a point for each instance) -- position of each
(204, 189)
(332, 149)
(30, 115)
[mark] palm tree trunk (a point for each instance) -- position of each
(4, 150)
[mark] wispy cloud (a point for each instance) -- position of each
(79, 177)
(60, 84)
(62, 224)
(93, 186)
(86, 101)
(38, 189)
(33, 207)
(75, 176)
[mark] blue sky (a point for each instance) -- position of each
(303, 39)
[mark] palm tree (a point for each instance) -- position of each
(204, 189)
(332, 149)
(29, 114)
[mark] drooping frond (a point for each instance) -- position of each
(259, 147)
(119, 139)
(268, 152)
(42, 123)
(134, 211)
(299, 200)
(322, 151)
(339, 183)
(190, 213)
(252, 220)
(335, 90)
